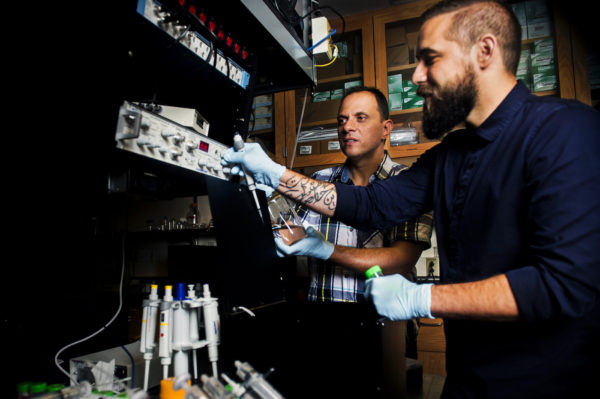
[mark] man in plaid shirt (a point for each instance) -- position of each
(337, 317)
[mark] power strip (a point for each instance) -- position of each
(194, 42)
(150, 135)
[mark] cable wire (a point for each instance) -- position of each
(103, 327)
(335, 51)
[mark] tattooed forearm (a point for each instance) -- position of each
(318, 195)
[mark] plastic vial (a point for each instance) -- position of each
(23, 390)
(55, 387)
(193, 215)
(374, 271)
(37, 389)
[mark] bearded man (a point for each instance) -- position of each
(516, 198)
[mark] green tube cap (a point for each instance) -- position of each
(37, 387)
(374, 271)
(55, 387)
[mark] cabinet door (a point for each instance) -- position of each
(578, 52)
(431, 346)
(312, 114)
(395, 32)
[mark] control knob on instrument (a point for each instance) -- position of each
(175, 154)
(178, 138)
(168, 133)
(190, 146)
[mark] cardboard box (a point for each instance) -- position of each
(308, 148)
(395, 35)
(524, 59)
(544, 83)
(263, 112)
(403, 136)
(321, 96)
(320, 111)
(397, 55)
(538, 59)
(412, 102)
(337, 94)
(543, 70)
(544, 77)
(352, 83)
(396, 101)
(262, 123)
(338, 68)
(395, 83)
(262, 100)
(412, 39)
(329, 146)
(538, 29)
(409, 89)
(185, 116)
(544, 46)
(322, 51)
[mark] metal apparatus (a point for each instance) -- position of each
(150, 135)
(253, 386)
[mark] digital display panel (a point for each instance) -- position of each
(203, 146)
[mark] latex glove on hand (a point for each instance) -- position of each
(256, 162)
(314, 244)
(397, 298)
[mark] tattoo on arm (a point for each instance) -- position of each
(311, 192)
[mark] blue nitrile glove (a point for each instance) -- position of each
(399, 299)
(255, 161)
(314, 244)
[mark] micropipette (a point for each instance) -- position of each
(238, 145)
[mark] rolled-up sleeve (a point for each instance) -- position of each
(385, 203)
(563, 278)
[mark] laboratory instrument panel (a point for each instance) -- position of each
(199, 33)
(150, 135)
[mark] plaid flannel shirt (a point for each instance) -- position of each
(334, 283)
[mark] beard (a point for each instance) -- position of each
(447, 106)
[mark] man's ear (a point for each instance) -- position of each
(388, 125)
(486, 50)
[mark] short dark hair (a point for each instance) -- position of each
(474, 18)
(382, 103)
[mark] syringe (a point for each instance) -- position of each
(238, 145)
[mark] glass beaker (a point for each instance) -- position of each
(284, 220)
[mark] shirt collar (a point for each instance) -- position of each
(382, 172)
(493, 126)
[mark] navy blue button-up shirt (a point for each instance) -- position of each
(518, 195)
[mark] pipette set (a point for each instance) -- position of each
(178, 320)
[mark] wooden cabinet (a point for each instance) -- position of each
(395, 36)
(381, 44)
(577, 51)
(355, 63)
(431, 346)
